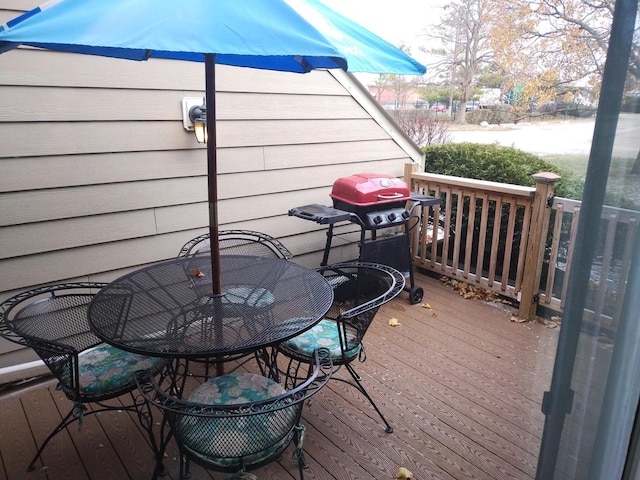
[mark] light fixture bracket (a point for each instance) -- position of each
(187, 104)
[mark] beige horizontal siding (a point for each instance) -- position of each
(41, 237)
(77, 262)
(126, 136)
(290, 156)
(63, 104)
(71, 70)
(43, 205)
(16, 7)
(55, 171)
(63, 203)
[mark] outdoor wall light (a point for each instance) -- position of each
(198, 115)
(194, 117)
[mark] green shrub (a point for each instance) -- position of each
(497, 164)
(495, 115)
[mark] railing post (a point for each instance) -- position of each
(534, 257)
(410, 168)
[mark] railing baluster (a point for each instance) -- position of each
(521, 209)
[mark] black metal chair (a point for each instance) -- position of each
(52, 320)
(360, 289)
(237, 422)
(241, 242)
(237, 242)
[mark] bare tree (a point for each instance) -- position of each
(558, 42)
(545, 44)
(464, 38)
(422, 127)
(382, 83)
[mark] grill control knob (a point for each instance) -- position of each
(377, 219)
(405, 214)
(391, 217)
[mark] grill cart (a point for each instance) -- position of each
(373, 202)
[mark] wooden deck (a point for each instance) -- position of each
(460, 383)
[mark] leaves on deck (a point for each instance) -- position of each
(427, 306)
(478, 293)
(471, 291)
(553, 322)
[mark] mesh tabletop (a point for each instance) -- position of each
(168, 309)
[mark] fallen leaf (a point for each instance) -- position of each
(393, 322)
(426, 305)
(197, 273)
(404, 474)
(518, 319)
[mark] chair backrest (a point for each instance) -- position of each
(227, 435)
(360, 289)
(52, 320)
(237, 242)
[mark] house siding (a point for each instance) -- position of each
(99, 177)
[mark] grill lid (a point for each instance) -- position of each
(367, 189)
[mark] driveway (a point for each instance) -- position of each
(541, 138)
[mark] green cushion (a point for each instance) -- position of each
(236, 388)
(106, 368)
(249, 296)
(223, 441)
(323, 334)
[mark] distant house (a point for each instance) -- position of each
(390, 98)
(99, 177)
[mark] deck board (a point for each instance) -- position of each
(460, 383)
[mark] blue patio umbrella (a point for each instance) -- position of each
(283, 35)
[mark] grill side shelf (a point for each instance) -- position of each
(322, 214)
(425, 200)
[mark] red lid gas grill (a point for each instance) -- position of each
(373, 201)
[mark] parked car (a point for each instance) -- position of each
(471, 105)
(439, 107)
(422, 104)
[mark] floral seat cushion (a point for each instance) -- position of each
(106, 368)
(252, 438)
(324, 334)
(236, 388)
(249, 296)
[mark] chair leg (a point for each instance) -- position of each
(358, 385)
(185, 467)
(298, 453)
(61, 426)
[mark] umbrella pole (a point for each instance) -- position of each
(212, 171)
(212, 184)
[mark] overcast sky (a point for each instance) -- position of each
(397, 21)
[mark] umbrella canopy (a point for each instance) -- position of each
(282, 35)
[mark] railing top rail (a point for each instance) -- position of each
(622, 214)
(494, 187)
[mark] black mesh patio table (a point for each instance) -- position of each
(168, 309)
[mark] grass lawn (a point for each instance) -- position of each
(622, 187)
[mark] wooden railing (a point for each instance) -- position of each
(514, 240)
(617, 235)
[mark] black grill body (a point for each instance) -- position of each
(393, 250)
